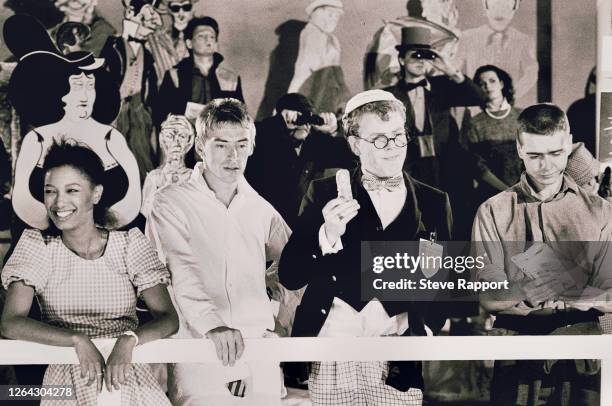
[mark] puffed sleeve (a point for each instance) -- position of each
(29, 262)
(144, 267)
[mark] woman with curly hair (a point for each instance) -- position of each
(87, 280)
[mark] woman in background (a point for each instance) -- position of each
(491, 134)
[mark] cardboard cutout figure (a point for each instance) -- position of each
(167, 44)
(132, 68)
(175, 139)
(65, 97)
(318, 74)
(498, 43)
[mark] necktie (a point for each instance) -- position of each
(372, 183)
(412, 86)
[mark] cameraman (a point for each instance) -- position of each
(292, 148)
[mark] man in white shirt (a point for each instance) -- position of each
(216, 234)
(324, 252)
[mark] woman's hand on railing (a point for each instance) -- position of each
(119, 363)
(90, 359)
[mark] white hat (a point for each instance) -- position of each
(320, 3)
(366, 97)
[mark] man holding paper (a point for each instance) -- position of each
(549, 238)
(377, 201)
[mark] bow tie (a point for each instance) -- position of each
(138, 40)
(372, 183)
(412, 86)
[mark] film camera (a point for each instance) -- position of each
(309, 118)
(423, 54)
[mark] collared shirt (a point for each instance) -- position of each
(417, 99)
(510, 220)
(217, 255)
(129, 30)
(388, 205)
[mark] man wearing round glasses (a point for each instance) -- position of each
(324, 253)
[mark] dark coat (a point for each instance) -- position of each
(176, 88)
(115, 56)
(280, 175)
(426, 210)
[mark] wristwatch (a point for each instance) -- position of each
(131, 334)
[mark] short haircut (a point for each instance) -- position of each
(222, 113)
(542, 119)
(198, 22)
(503, 76)
(68, 152)
(381, 108)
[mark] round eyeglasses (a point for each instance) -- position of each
(381, 141)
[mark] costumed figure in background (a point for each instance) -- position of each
(434, 152)
(84, 11)
(498, 43)
(381, 65)
(175, 139)
(132, 68)
(65, 96)
(167, 44)
(318, 74)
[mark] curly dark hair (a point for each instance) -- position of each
(504, 78)
(68, 152)
(39, 82)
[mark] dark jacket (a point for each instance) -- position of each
(115, 56)
(176, 88)
(280, 175)
(426, 210)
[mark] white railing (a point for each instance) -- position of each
(346, 349)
